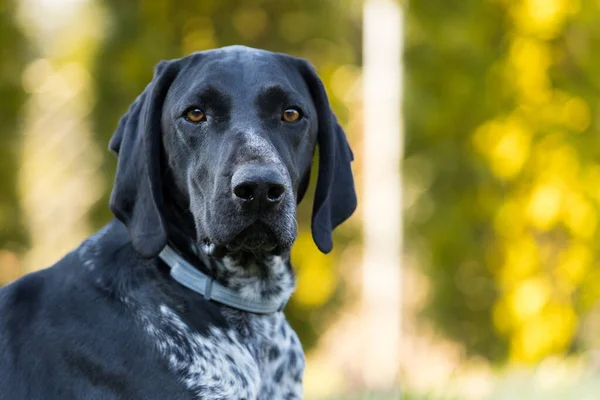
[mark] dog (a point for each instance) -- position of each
(181, 295)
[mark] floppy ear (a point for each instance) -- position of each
(136, 199)
(335, 197)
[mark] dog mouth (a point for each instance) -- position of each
(257, 239)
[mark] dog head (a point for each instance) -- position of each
(227, 136)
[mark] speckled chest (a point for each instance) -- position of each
(257, 357)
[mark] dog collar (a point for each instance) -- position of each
(190, 277)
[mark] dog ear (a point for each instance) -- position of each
(136, 199)
(335, 197)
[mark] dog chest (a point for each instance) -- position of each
(282, 358)
(214, 366)
(264, 361)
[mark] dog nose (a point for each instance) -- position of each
(258, 186)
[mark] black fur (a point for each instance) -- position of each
(108, 322)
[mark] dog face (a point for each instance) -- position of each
(239, 131)
(234, 130)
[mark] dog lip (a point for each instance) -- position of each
(237, 247)
(220, 251)
(257, 236)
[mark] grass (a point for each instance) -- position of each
(390, 396)
(520, 388)
(575, 378)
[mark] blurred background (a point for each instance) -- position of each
(470, 270)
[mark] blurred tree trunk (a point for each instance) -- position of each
(58, 175)
(13, 56)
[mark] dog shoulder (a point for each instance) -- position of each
(38, 304)
(30, 302)
(25, 307)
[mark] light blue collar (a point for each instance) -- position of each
(190, 277)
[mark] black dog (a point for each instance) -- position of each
(180, 296)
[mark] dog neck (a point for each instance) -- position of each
(266, 278)
(246, 282)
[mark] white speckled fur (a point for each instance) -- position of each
(262, 361)
(89, 251)
(203, 362)
(282, 358)
(243, 279)
(258, 357)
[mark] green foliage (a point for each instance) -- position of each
(13, 55)
(502, 159)
(449, 58)
(145, 31)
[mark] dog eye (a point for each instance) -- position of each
(291, 115)
(195, 115)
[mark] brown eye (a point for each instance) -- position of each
(195, 115)
(290, 115)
